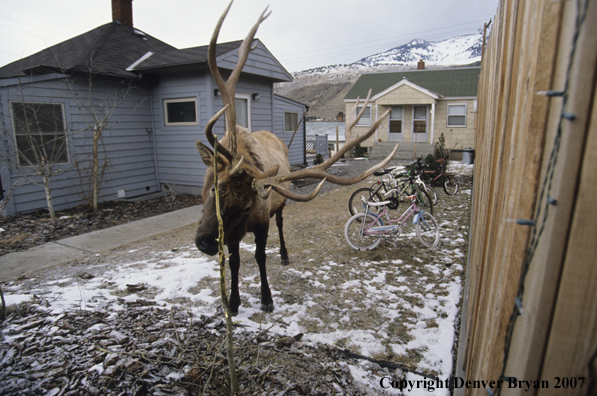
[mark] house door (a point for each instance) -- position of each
(395, 124)
(419, 124)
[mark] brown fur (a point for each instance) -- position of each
(241, 208)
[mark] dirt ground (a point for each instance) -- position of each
(344, 303)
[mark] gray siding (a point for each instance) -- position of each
(129, 148)
(142, 151)
(179, 162)
(296, 151)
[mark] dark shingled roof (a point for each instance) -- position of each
(446, 82)
(182, 58)
(112, 47)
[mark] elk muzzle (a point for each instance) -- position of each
(207, 245)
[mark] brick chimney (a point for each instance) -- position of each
(421, 65)
(122, 11)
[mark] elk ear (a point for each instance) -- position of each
(207, 155)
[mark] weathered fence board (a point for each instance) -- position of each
(526, 152)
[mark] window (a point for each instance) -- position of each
(290, 121)
(39, 132)
(180, 111)
(457, 115)
(243, 111)
(366, 118)
(420, 119)
(396, 119)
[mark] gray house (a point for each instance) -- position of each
(153, 101)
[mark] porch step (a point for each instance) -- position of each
(406, 150)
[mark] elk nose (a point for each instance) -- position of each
(208, 246)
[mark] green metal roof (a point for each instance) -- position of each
(446, 82)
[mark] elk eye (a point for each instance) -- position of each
(246, 210)
(213, 189)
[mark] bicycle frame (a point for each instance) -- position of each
(440, 173)
(391, 227)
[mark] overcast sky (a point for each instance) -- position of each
(301, 34)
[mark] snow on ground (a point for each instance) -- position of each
(391, 286)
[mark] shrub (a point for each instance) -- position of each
(358, 151)
(318, 159)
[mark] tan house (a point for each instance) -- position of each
(424, 104)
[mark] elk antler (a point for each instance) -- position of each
(228, 88)
(210, 136)
(319, 171)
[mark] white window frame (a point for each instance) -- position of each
(296, 124)
(179, 100)
(459, 115)
(426, 119)
(364, 117)
(246, 97)
(14, 130)
(401, 119)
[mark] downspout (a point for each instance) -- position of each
(273, 108)
(376, 117)
(154, 139)
(6, 176)
(305, 135)
(432, 120)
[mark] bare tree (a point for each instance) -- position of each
(37, 144)
(97, 108)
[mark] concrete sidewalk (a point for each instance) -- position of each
(13, 265)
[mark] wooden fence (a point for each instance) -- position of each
(531, 307)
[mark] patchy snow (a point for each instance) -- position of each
(175, 277)
(387, 286)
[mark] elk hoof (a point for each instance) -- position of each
(267, 308)
(285, 261)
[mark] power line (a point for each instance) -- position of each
(353, 48)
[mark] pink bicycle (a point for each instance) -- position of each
(365, 230)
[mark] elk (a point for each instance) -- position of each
(254, 177)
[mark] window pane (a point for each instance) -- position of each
(290, 121)
(420, 126)
(242, 112)
(39, 132)
(396, 113)
(181, 112)
(456, 120)
(396, 126)
(366, 117)
(420, 112)
(457, 109)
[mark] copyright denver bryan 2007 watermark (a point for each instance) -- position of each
(457, 382)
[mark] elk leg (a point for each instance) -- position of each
(283, 251)
(267, 303)
(234, 264)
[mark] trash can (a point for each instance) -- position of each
(468, 156)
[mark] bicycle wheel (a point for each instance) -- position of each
(450, 185)
(353, 231)
(355, 203)
(427, 229)
(424, 201)
(432, 194)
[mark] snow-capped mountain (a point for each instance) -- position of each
(323, 88)
(460, 50)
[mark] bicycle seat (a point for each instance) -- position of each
(378, 203)
(380, 172)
